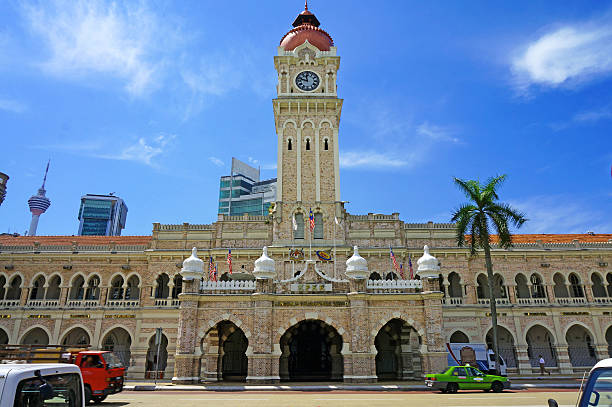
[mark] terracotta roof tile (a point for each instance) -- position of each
(67, 240)
(560, 238)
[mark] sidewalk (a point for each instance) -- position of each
(567, 383)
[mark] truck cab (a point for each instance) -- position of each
(102, 373)
(41, 385)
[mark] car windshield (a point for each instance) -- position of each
(112, 360)
(49, 391)
(599, 389)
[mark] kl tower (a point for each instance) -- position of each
(38, 204)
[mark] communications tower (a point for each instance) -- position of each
(38, 204)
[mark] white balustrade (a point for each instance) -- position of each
(233, 285)
(498, 301)
(452, 301)
(164, 302)
(9, 303)
(571, 300)
(42, 303)
(83, 303)
(602, 300)
(381, 286)
(122, 303)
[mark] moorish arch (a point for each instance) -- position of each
(398, 355)
(311, 350)
(35, 336)
(4, 338)
(157, 358)
(459, 337)
(224, 350)
(506, 343)
(540, 343)
(119, 341)
(76, 336)
(580, 346)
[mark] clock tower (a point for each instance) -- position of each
(307, 115)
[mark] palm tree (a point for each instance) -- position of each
(476, 218)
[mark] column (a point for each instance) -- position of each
(359, 360)
(550, 293)
(512, 293)
(185, 371)
(435, 358)
(263, 364)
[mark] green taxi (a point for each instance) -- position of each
(466, 378)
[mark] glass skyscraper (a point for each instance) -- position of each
(102, 215)
(242, 191)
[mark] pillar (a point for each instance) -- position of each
(360, 360)
(435, 357)
(185, 368)
(263, 364)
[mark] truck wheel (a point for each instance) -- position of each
(98, 399)
(452, 388)
(87, 395)
(497, 387)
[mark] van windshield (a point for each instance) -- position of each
(112, 360)
(598, 391)
(52, 390)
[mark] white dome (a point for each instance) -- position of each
(193, 267)
(428, 265)
(264, 266)
(357, 266)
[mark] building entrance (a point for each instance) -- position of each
(311, 352)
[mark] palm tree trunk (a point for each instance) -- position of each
(492, 303)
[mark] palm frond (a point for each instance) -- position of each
(470, 188)
(500, 225)
(463, 216)
(493, 183)
(516, 217)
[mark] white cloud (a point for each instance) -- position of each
(437, 133)
(253, 161)
(560, 214)
(593, 116)
(13, 106)
(370, 159)
(571, 53)
(216, 161)
(93, 36)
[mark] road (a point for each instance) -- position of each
(531, 398)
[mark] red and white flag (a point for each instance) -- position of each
(229, 260)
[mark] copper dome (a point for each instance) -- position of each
(306, 29)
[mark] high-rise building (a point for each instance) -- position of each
(242, 192)
(3, 180)
(38, 204)
(102, 215)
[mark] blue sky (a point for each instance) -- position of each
(150, 100)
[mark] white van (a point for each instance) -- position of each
(474, 354)
(38, 384)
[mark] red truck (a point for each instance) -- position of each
(102, 371)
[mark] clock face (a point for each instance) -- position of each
(307, 80)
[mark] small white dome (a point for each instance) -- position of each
(264, 266)
(428, 265)
(193, 267)
(357, 266)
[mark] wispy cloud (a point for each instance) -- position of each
(144, 150)
(13, 106)
(370, 159)
(560, 214)
(216, 161)
(437, 133)
(567, 54)
(95, 37)
(586, 117)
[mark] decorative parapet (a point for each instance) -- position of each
(429, 225)
(226, 287)
(372, 216)
(72, 249)
(394, 286)
(181, 227)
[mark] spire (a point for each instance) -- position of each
(306, 17)
(306, 5)
(46, 171)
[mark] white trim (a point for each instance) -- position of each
(299, 164)
(262, 378)
(360, 377)
(336, 165)
(317, 167)
(186, 378)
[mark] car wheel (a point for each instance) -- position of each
(452, 388)
(87, 395)
(98, 399)
(497, 387)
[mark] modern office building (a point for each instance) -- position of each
(102, 215)
(242, 192)
(3, 180)
(38, 204)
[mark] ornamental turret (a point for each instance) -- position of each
(357, 266)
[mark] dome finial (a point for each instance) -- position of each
(306, 5)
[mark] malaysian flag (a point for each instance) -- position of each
(229, 260)
(212, 276)
(402, 271)
(395, 266)
(312, 222)
(410, 264)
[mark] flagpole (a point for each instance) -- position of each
(334, 237)
(310, 249)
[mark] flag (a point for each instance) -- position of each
(312, 222)
(410, 264)
(294, 223)
(336, 220)
(229, 260)
(402, 271)
(395, 266)
(215, 272)
(211, 270)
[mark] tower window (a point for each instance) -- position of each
(325, 145)
(318, 230)
(298, 233)
(307, 144)
(289, 144)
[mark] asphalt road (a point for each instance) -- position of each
(531, 398)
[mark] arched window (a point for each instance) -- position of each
(576, 287)
(178, 286)
(454, 285)
(482, 290)
(116, 291)
(499, 287)
(132, 292)
(161, 291)
(522, 291)
(38, 289)
(77, 291)
(374, 276)
(560, 288)
(2, 289)
(289, 144)
(609, 280)
(54, 290)
(14, 291)
(598, 288)
(307, 144)
(298, 231)
(391, 276)
(93, 288)
(537, 288)
(325, 144)
(318, 230)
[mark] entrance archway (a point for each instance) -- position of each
(224, 353)
(580, 347)
(36, 336)
(459, 337)
(398, 356)
(118, 341)
(76, 337)
(4, 339)
(540, 343)
(311, 351)
(505, 341)
(152, 364)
